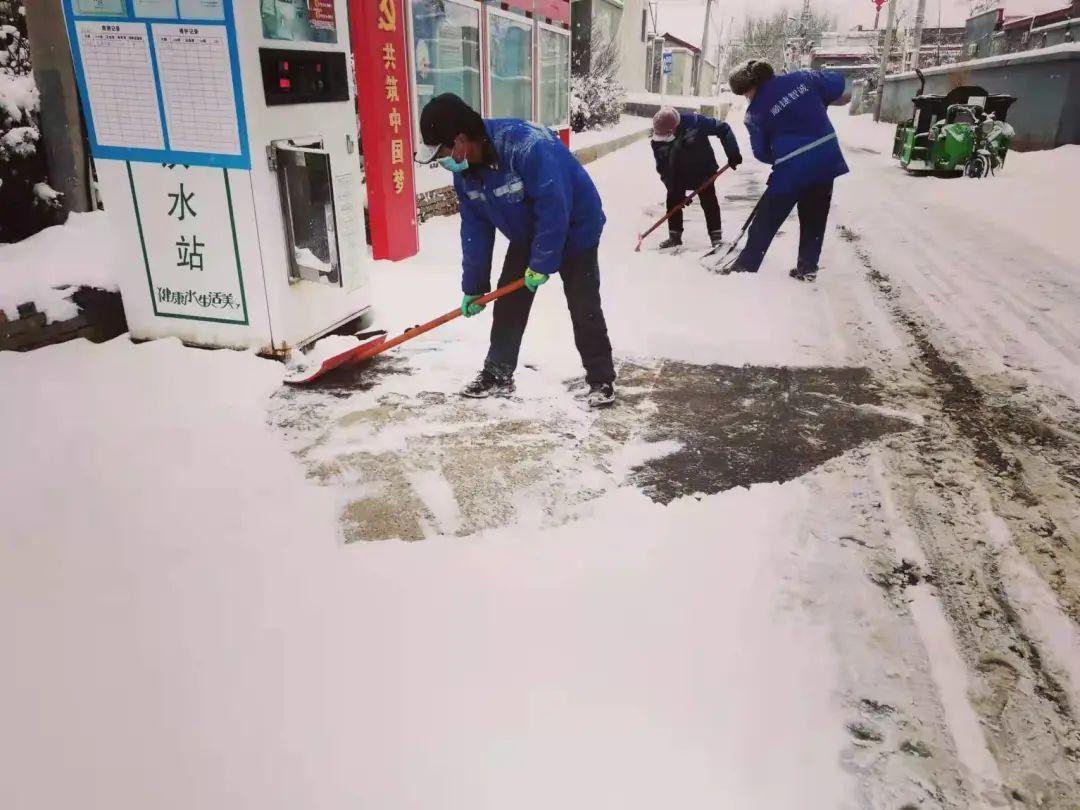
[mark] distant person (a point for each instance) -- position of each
(519, 178)
(789, 128)
(685, 160)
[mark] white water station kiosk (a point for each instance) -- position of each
(226, 143)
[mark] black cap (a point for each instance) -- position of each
(442, 120)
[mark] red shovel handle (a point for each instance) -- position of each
(680, 206)
(416, 331)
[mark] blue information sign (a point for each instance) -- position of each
(160, 80)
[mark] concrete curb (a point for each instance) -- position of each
(587, 154)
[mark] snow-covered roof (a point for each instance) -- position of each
(678, 41)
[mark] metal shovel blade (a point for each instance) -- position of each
(349, 357)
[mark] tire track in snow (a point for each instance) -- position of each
(1034, 733)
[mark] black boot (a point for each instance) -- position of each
(717, 237)
(600, 395)
(487, 384)
(674, 240)
(801, 274)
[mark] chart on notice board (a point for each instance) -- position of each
(159, 80)
(120, 80)
(197, 86)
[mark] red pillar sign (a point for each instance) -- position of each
(382, 88)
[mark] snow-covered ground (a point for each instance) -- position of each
(824, 555)
(994, 264)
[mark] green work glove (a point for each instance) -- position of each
(533, 280)
(468, 308)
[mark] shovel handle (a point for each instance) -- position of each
(416, 331)
(681, 206)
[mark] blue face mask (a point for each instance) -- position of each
(452, 165)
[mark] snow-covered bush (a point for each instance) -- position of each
(596, 97)
(594, 102)
(27, 203)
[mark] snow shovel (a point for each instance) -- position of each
(742, 233)
(365, 351)
(680, 206)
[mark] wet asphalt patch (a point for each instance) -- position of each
(743, 425)
(717, 427)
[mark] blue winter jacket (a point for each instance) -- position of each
(788, 116)
(537, 193)
(688, 161)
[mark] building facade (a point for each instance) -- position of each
(622, 22)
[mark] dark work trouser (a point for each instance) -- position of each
(581, 283)
(813, 205)
(709, 204)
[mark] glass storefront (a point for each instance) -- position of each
(446, 43)
(510, 49)
(554, 77)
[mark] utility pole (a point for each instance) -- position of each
(917, 34)
(883, 68)
(704, 49)
(804, 40)
(937, 60)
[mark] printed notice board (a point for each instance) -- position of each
(160, 80)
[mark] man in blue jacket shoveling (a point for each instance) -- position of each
(519, 178)
(789, 128)
(685, 161)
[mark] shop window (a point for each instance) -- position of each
(554, 89)
(510, 49)
(446, 50)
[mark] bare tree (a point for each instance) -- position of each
(769, 37)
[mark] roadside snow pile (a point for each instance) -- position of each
(79, 253)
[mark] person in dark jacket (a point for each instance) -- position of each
(519, 179)
(789, 128)
(685, 160)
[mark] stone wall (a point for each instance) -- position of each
(1046, 84)
(100, 318)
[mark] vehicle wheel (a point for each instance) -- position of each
(977, 166)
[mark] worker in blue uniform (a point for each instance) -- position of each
(520, 179)
(789, 128)
(685, 161)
